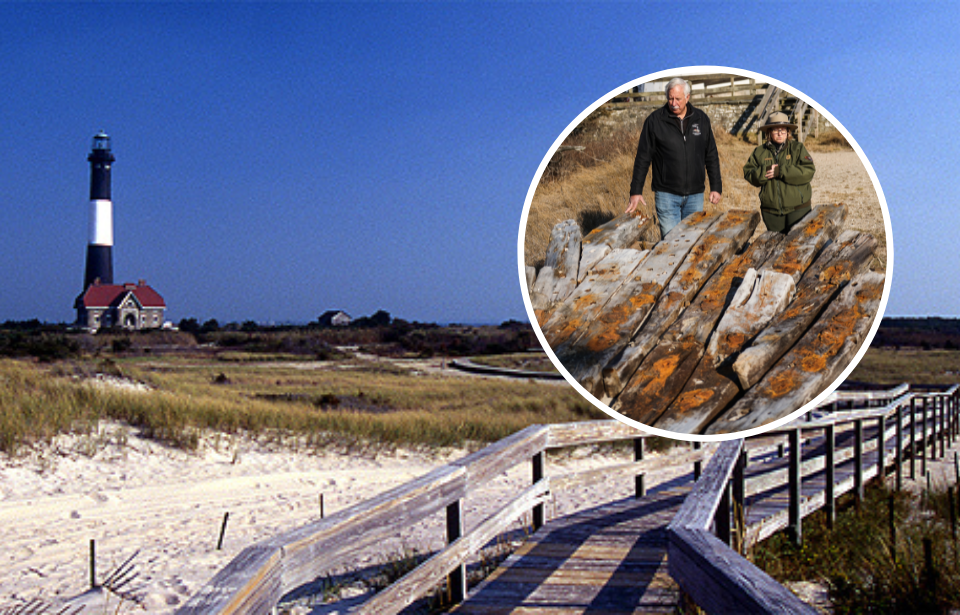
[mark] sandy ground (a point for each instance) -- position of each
(131, 494)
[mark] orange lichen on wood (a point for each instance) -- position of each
(660, 371)
(789, 262)
(836, 274)
(559, 336)
(814, 227)
(781, 384)
(732, 342)
(583, 302)
(691, 400)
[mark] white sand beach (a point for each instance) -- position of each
(131, 494)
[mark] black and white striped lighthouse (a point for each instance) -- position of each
(100, 244)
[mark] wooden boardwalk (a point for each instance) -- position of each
(631, 556)
(613, 558)
(609, 559)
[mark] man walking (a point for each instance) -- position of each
(678, 139)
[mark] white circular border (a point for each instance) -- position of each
(680, 72)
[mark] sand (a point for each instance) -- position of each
(128, 493)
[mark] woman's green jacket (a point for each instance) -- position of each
(790, 188)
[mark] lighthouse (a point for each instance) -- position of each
(100, 243)
(103, 303)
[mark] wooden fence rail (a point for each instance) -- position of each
(720, 580)
(256, 579)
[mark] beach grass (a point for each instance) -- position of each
(893, 366)
(863, 567)
(318, 403)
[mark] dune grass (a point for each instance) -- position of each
(864, 570)
(188, 399)
(893, 366)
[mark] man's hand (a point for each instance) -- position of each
(635, 200)
(771, 172)
(715, 197)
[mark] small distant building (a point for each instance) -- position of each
(131, 306)
(335, 318)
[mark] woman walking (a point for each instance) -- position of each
(782, 169)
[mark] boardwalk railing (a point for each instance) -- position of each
(702, 561)
(256, 579)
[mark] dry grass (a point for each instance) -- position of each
(892, 366)
(393, 405)
(598, 188)
(864, 571)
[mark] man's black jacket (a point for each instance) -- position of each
(679, 159)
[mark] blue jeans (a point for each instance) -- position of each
(672, 208)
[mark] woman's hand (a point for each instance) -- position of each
(771, 172)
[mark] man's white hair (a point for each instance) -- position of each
(674, 83)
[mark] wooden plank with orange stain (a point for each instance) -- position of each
(813, 363)
(621, 232)
(718, 244)
(568, 320)
(836, 265)
(642, 398)
(629, 306)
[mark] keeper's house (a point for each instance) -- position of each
(131, 306)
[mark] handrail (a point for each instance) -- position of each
(715, 576)
(260, 575)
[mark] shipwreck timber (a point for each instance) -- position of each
(708, 331)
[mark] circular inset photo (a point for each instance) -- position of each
(705, 253)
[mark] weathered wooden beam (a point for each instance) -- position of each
(250, 583)
(841, 260)
(627, 309)
(759, 299)
(813, 363)
(621, 232)
(714, 385)
(569, 320)
(663, 373)
(717, 246)
(558, 276)
(807, 238)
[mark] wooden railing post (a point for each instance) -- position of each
(913, 438)
(457, 579)
(721, 519)
(794, 522)
(830, 474)
(858, 459)
(881, 447)
(697, 465)
(537, 475)
(898, 455)
(923, 429)
(942, 428)
(641, 488)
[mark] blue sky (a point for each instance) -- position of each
(278, 160)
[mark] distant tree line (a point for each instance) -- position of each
(378, 333)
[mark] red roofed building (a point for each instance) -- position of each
(131, 306)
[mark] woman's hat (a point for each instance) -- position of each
(776, 120)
